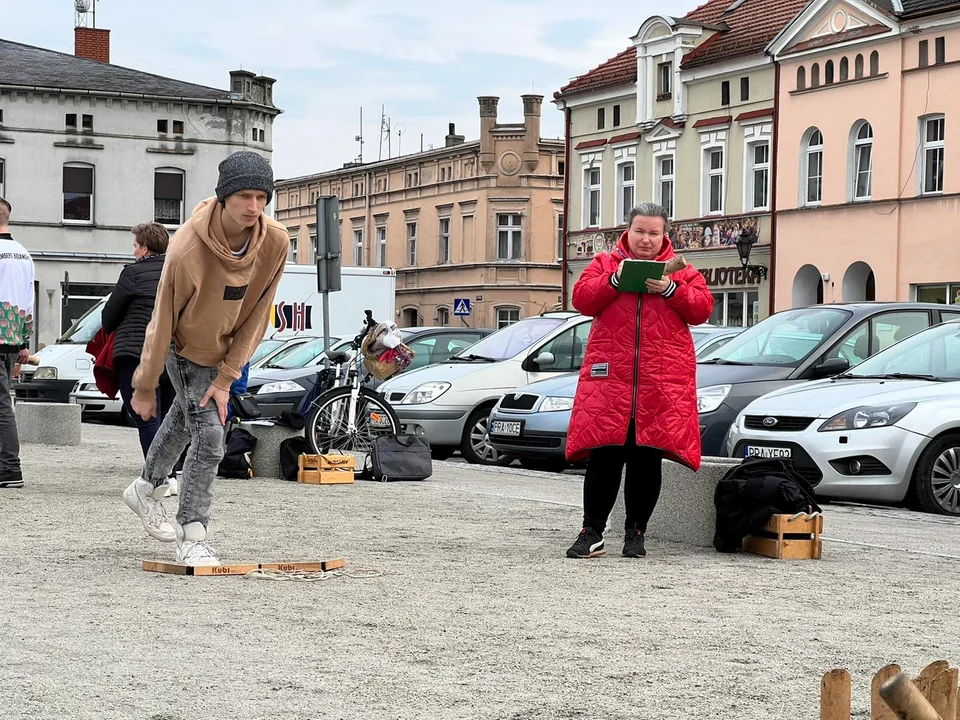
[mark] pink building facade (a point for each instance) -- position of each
(868, 153)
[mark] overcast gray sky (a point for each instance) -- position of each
(425, 61)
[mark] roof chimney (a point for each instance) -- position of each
(92, 44)
(452, 137)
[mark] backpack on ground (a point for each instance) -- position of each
(398, 457)
(751, 493)
(236, 457)
(290, 451)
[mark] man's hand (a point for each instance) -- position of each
(144, 404)
(221, 398)
(23, 356)
(658, 286)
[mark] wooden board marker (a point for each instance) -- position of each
(241, 569)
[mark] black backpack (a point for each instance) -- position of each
(236, 458)
(290, 451)
(751, 493)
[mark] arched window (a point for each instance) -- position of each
(812, 168)
(844, 70)
(801, 78)
(828, 72)
(858, 67)
(815, 75)
(443, 316)
(874, 63)
(861, 161)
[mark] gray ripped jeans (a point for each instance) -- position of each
(188, 423)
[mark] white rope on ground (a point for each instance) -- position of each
(313, 576)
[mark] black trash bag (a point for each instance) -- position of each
(290, 451)
(236, 458)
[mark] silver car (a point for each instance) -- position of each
(887, 430)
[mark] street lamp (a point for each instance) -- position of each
(745, 242)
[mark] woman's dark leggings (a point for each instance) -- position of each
(641, 488)
(125, 368)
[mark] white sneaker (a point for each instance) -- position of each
(173, 487)
(142, 498)
(194, 552)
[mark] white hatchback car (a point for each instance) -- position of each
(450, 403)
(887, 430)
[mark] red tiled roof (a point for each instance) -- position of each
(590, 144)
(766, 112)
(619, 70)
(626, 137)
(706, 122)
(751, 27)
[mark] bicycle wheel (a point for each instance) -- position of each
(328, 426)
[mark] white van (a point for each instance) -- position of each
(297, 309)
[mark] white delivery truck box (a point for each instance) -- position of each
(297, 310)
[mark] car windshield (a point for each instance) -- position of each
(932, 353)
(513, 339)
(786, 338)
(300, 356)
(263, 349)
(83, 330)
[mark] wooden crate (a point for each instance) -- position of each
(240, 569)
(326, 469)
(786, 537)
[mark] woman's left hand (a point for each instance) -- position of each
(658, 286)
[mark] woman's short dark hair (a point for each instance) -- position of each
(153, 236)
(649, 209)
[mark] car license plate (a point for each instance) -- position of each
(782, 453)
(505, 427)
(379, 419)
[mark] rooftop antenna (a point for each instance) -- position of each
(85, 8)
(384, 128)
(359, 138)
(401, 129)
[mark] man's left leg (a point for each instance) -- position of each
(10, 475)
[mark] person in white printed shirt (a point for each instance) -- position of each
(16, 327)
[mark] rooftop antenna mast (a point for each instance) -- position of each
(85, 9)
(384, 132)
(359, 138)
(401, 129)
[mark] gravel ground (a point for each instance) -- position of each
(477, 613)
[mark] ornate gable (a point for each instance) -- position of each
(831, 22)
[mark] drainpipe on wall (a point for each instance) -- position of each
(566, 201)
(773, 199)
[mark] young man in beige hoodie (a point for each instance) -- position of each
(213, 305)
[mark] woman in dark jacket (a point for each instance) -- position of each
(128, 312)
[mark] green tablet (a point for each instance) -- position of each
(635, 273)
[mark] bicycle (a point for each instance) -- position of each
(346, 416)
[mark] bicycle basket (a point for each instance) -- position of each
(380, 369)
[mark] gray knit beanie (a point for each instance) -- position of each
(245, 171)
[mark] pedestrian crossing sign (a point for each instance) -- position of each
(461, 306)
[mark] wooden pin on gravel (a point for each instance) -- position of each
(906, 700)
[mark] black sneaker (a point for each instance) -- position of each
(589, 544)
(11, 479)
(633, 544)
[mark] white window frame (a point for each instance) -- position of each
(93, 193)
(927, 146)
(443, 316)
(183, 188)
(358, 246)
(750, 176)
(622, 185)
(664, 78)
(514, 236)
(659, 179)
(294, 247)
(443, 234)
(381, 245)
(808, 151)
(412, 243)
(709, 174)
(853, 166)
(560, 237)
(588, 190)
(501, 323)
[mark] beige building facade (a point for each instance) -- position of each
(476, 221)
(683, 117)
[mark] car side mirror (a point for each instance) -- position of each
(544, 359)
(831, 367)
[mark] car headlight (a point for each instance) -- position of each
(285, 386)
(862, 418)
(428, 392)
(556, 404)
(709, 399)
(47, 372)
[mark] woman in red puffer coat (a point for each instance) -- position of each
(636, 401)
